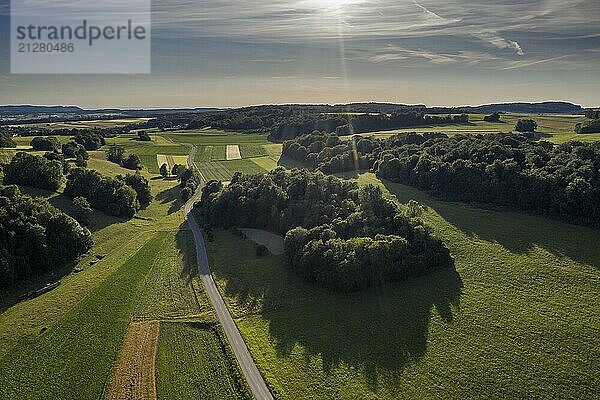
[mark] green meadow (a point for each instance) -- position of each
(517, 319)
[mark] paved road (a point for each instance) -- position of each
(253, 377)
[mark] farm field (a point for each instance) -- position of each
(93, 330)
(133, 375)
(554, 128)
(194, 362)
(224, 170)
(516, 319)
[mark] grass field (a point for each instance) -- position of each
(554, 128)
(45, 367)
(517, 319)
(224, 170)
(194, 362)
(168, 292)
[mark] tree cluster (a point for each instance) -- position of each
(30, 170)
(90, 140)
(116, 154)
(495, 117)
(591, 126)
(330, 154)
(122, 196)
(45, 143)
(35, 237)
(526, 125)
(336, 234)
(189, 180)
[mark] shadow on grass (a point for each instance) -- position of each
(517, 232)
(98, 220)
(171, 196)
(378, 332)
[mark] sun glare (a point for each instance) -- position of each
(333, 5)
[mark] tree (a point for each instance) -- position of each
(495, 117)
(115, 154)
(164, 170)
(6, 140)
(45, 144)
(592, 114)
(526, 125)
(133, 161)
(144, 136)
(178, 170)
(592, 126)
(82, 210)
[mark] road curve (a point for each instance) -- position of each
(253, 377)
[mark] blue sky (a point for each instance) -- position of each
(437, 52)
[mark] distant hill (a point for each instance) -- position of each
(549, 107)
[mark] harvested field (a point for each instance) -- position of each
(133, 376)
(233, 152)
(170, 161)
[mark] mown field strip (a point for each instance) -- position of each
(133, 375)
(233, 152)
(83, 345)
(194, 362)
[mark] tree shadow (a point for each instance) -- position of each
(98, 219)
(170, 196)
(378, 332)
(518, 232)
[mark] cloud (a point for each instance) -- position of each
(500, 42)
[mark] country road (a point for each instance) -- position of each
(253, 377)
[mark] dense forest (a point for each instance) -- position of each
(502, 169)
(336, 234)
(35, 237)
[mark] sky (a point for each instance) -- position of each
(226, 53)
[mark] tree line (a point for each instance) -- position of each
(35, 237)
(344, 125)
(336, 234)
(503, 169)
(590, 126)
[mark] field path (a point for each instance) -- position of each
(249, 369)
